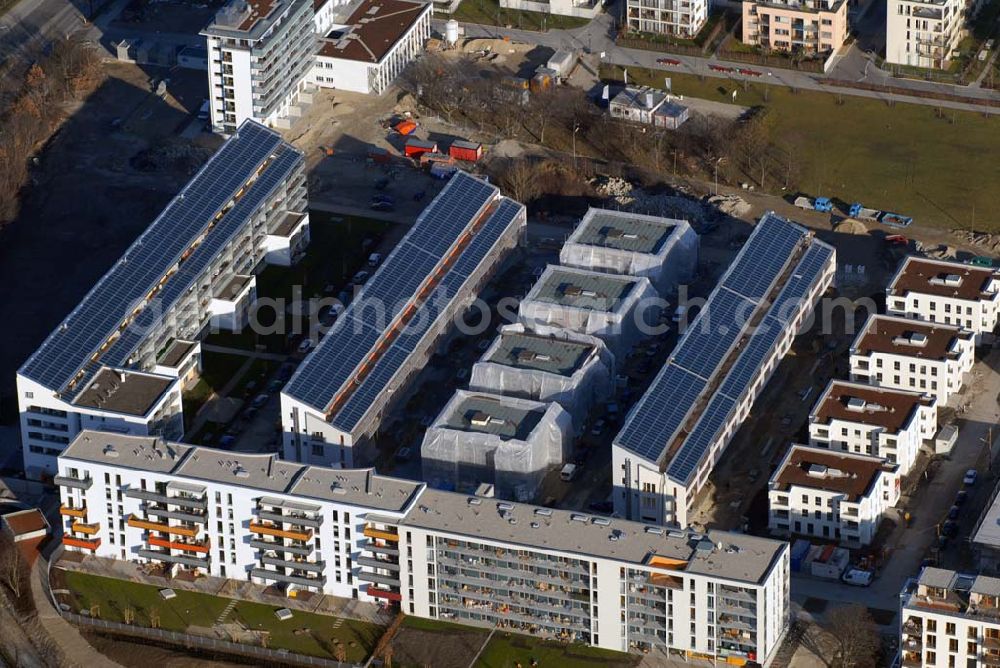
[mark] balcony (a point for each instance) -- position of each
(377, 563)
(302, 581)
(379, 579)
(274, 546)
(82, 543)
(156, 497)
(384, 593)
(70, 511)
(380, 549)
(89, 529)
(184, 560)
(371, 532)
(201, 547)
(990, 659)
(288, 518)
(311, 566)
(75, 483)
(158, 511)
(271, 530)
(135, 522)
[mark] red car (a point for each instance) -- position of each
(668, 61)
(749, 73)
(720, 68)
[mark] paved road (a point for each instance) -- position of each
(597, 38)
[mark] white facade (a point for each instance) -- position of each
(112, 363)
(832, 496)
(372, 47)
(923, 33)
(949, 293)
(950, 619)
(260, 57)
(679, 18)
(584, 9)
(605, 582)
(876, 421)
(909, 355)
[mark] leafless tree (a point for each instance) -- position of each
(517, 177)
(13, 568)
(854, 635)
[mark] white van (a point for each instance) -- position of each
(569, 472)
(679, 313)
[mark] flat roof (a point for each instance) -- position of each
(526, 350)
(943, 279)
(288, 223)
(868, 404)
(234, 287)
(125, 392)
(267, 472)
(620, 230)
(373, 29)
(25, 521)
(248, 19)
(911, 338)
(988, 531)
(175, 352)
(578, 288)
(830, 471)
(741, 558)
(494, 414)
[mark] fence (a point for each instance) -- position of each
(202, 642)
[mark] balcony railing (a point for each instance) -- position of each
(183, 559)
(201, 547)
(70, 511)
(75, 483)
(187, 501)
(82, 543)
(271, 530)
(138, 523)
(377, 563)
(372, 532)
(274, 546)
(287, 518)
(89, 529)
(300, 580)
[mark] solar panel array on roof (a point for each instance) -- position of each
(668, 402)
(149, 258)
(377, 380)
(321, 376)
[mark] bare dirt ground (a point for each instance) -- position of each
(168, 15)
(142, 655)
(444, 648)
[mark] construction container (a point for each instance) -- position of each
(562, 62)
(542, 81)
(465, 150)
(417, 147)
(406, 127)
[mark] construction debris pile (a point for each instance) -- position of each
(171, 156)
(731, 205)
(981, 239)
(623, 196)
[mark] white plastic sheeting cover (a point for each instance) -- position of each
(675, 263)
(461, 459)
(590, 382)
(620, 328)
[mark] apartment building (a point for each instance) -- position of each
(911, 355)
(949, 293)
(831, 495)
(364, 366)
(605, 582)
(807, 26)
(120, 359)
(584, 9)
(986, 536)
(260, 58)
(367, 50)
(875, 421)
(677, 431)
(664, 250)
(923, 33)
(950, 619)
(678, 18)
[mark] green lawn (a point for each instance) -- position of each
(507, 650)
(489, 12)
(304, 633)
(942, 171)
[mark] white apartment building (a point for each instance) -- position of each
(923, 33)
(911, 355)
(609, 583)
(876, 421)
(949, 293)
(950, 619)
(368, 50)
(678, 18)
(364, 366)
(831, 495)
(260, 59)
(678, 430)
(584, 9)
(120, 359)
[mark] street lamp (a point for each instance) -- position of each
(718, 160)
(576, 128)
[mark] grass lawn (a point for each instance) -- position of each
(942, 171)
(304, 633)
(489, 12)
(507, 650)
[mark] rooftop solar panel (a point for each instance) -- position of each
(763, 257)
(713, 333)
(698, 442)
(124, 286)
(789, 301)
(660, 412)
(759, 346)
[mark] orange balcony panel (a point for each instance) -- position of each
(89, 529)
(83, 543)
(268, 530)
(384, 535)
(134, 521)
(70, 511)
(177, 545)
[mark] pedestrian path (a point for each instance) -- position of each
(225, 613)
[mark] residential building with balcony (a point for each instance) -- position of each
(364, 366)
(950, 619)
(352, 533)
(121, 358)
(678, 18)
(678, 430)
(806, 26)
(835, 496)
(986, 536)
(260, 60)
(584, 9)
(906, 354)
(949, 293)
(923, 33)
(875, 421)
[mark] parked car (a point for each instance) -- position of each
(227, 440)
(673, 62)
(360, 278)
(598, 427)
(274, 386)
(375, 259)
(381, 206)
(949, 529)
(261, 399)
(970, 477)
(961, 498)
(857, 577)
(953, 512)
(404, 454)
(305, 346)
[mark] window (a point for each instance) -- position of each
(949, 628)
